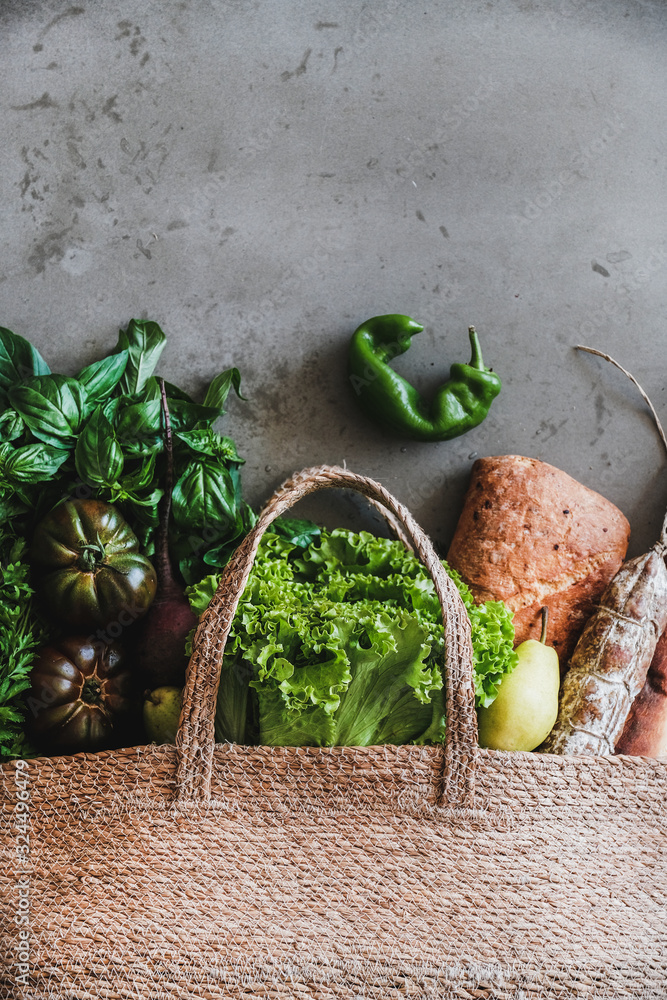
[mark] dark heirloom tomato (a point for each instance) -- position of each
(81, 694)
(89, 568)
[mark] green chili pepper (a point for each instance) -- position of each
(459, 405)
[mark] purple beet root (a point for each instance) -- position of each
(160, 650)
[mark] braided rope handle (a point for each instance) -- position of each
(195, 740)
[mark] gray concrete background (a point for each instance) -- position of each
(261, 177)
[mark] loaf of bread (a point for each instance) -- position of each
(531, 535)
(645, 731)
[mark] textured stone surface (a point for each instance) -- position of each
(261, 178)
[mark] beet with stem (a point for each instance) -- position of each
(161, 647)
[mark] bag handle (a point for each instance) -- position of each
(195, 740)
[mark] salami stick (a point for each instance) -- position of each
(611, 659)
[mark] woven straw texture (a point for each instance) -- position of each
(384, 872)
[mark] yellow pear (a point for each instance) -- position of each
(162, 708)
(526, 706)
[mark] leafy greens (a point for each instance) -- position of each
(339, 642)
(20, 636)
(99, 434)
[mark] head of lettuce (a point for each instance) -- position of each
(338, 641)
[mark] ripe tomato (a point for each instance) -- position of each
(88, 566)
(80, 697)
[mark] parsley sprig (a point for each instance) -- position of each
(20, 636)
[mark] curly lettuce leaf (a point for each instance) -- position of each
(340, 643)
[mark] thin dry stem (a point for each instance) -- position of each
(601, 354)
(662, 542)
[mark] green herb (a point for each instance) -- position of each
(100, 435)
(54, 407)
(144, 342)
(341, 643)
(18, 360)
(20, 636)
(102, 377)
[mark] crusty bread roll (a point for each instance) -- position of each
(645, 731)
(530, 535)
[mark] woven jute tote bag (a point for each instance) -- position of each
(224, 871)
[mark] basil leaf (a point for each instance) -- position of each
(218, 555)
(203, 496)
(190, 567)
(139, 428)
(141, 477)
(235, 476)
(198, 440)
(219, 389)
(208, 442)
(112, 407)
(53, 406)
(11, 425)
(98, 455)
(194, 551)
(144, 508)
(33, 463)
(150, 503)
(296, 530)
(6, 451)
(185, 416)
(173, 392)
(18, 359)
(144, 341)
(225, 448)
(102, 377)
(151, 390)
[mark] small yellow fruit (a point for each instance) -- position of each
(526, 706)
(162, 709)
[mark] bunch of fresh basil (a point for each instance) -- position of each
(100, 434)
